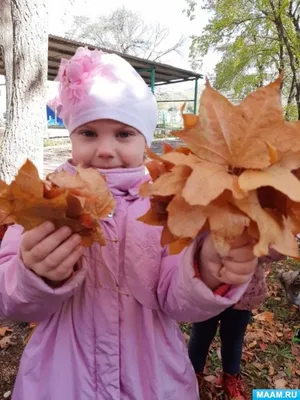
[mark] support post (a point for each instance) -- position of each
(196, 96)
(152, 80)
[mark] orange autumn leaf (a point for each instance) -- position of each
(189, 120)
(271, 198)
(4, 330)
(184, 220)
(226, 223)
(167, 148)
(274, 229)
(239, 171)
(167, 236)
(90, 187)
(169, 183)
(279, 176)
(183, 150)
(203, 184)
(178, 245)
(77, 201)
(293, 216)
(157, 213)
(239, 135)
(156, 169)
(207, 182)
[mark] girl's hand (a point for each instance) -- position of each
(234, 269)
(51, 254)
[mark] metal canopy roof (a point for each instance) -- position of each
(154, 73)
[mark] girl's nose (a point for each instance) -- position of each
(105, 148)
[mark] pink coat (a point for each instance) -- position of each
(110, 332)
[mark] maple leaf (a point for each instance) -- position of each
(4, 329)
(263, 346)
(168, 183)
(77, 201)
(279, 176)
(240, 170)
(280, 383)
(89, 187)
(241, 136)
(274, 229)
(265, 316)
(5, 342)
(226, 223)
(252, 344)
(178, 212)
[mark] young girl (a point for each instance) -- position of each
(233, 324)
(107, 321)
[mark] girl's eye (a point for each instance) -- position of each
(124, 134)
(88, 133)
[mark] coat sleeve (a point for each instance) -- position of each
(184, 296)
(24, 296)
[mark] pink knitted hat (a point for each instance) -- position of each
(97, 85)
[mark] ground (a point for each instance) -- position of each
(270, 358)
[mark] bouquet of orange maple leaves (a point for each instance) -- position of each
(78, 201)
(238, 171)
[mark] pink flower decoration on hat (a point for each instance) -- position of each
(77, 74)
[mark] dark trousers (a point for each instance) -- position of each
(233, 325)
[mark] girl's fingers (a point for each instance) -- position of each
(61, 253)
(31, 238)
(209, 251)
(236, 273)
(232, 278)
(47, 246)
(65, 269)
(240, 254)
(240, 268)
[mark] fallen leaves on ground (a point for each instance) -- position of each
(239, 170)
(5, 337)
(4, 329)
(280, 383)
(5, 342)
(77, 201)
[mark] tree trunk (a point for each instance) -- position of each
(26, 120)
(293, 56)
(297, 98)
(6, 46)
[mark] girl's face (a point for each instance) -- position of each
(106, 144)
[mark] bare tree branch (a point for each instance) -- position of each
(125, 31)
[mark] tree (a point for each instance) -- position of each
(125, 31)
(6, 43)
(257, 39)
(24, 44)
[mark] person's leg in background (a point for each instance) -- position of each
(233, 326)
(201, 337)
